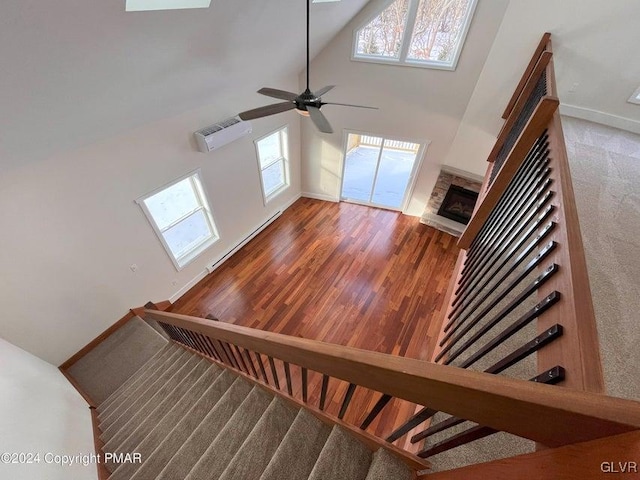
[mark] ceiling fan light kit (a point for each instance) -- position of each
(307, 103)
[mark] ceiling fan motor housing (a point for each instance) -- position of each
(307, 98)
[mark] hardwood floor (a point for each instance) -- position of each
(339, 273)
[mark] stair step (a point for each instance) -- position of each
(110, 363)
(151, 398)
(385, 466)
(138, 376)
(297, 453)
(186, 454)
(342, 457)
(192, 387)
(258, 448)
(222, 450)
(133, 394)
(165, 439)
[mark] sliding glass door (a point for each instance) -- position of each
(378, 171)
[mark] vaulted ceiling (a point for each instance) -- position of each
(77, 71)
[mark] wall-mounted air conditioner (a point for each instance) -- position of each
(215, 136)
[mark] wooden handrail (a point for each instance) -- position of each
(539, 69)
(543, 45)
(505, 404)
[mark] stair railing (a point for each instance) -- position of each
(499, 403)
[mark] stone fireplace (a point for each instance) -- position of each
(452, 200)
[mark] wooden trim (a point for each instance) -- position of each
(578, 349)
(372, 442)
(532, 131)
(542, 46)
(530, 86)
(85, 395)
(583, 461)
(103, 473)
(139, 311)
(543, 413)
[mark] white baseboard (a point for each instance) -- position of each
(188, 286)
(320, 196)
(600, 117)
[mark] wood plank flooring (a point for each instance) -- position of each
(339, 273)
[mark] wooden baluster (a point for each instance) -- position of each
(304, 384)
(323, 391)
(287, 374)
(274, 373)
(347, 400)
(375, 411)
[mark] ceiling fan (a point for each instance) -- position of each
(307, 103)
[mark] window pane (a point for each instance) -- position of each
(393, 174)
(269, 149)
(437, 30)
(188, 234)
(360, 167)
(273, 178)
(382, 37)
(172, 203)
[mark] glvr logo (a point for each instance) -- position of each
(619, 467)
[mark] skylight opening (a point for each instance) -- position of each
(147, 5)
(423, 33)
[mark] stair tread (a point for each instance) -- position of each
(386, 466)
(185, 394)
(138, 376)
(258, 448)
(151, 398)
(221, 451)
(185, 453)
(297, 453)
(182, 413)
(343, 457)
(161, 364)
(155, 380)
(109, 364)
(159, 446)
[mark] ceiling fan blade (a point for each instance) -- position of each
(349, 105)
(267, 110)
(275, 93)
(323, 90)
(319, 119)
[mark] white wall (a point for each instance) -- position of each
(71, 227)
(415, 103)
(40, 412)
(594, 44)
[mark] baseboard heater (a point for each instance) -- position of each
(243, 242)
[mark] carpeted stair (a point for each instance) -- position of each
(190, 419)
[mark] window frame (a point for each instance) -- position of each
(180, 262)
(405, 43)
(284, 158)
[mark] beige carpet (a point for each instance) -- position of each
(605, 166)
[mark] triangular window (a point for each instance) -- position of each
(425, 33)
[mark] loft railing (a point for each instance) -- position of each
(520, 288)
(283, 363)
